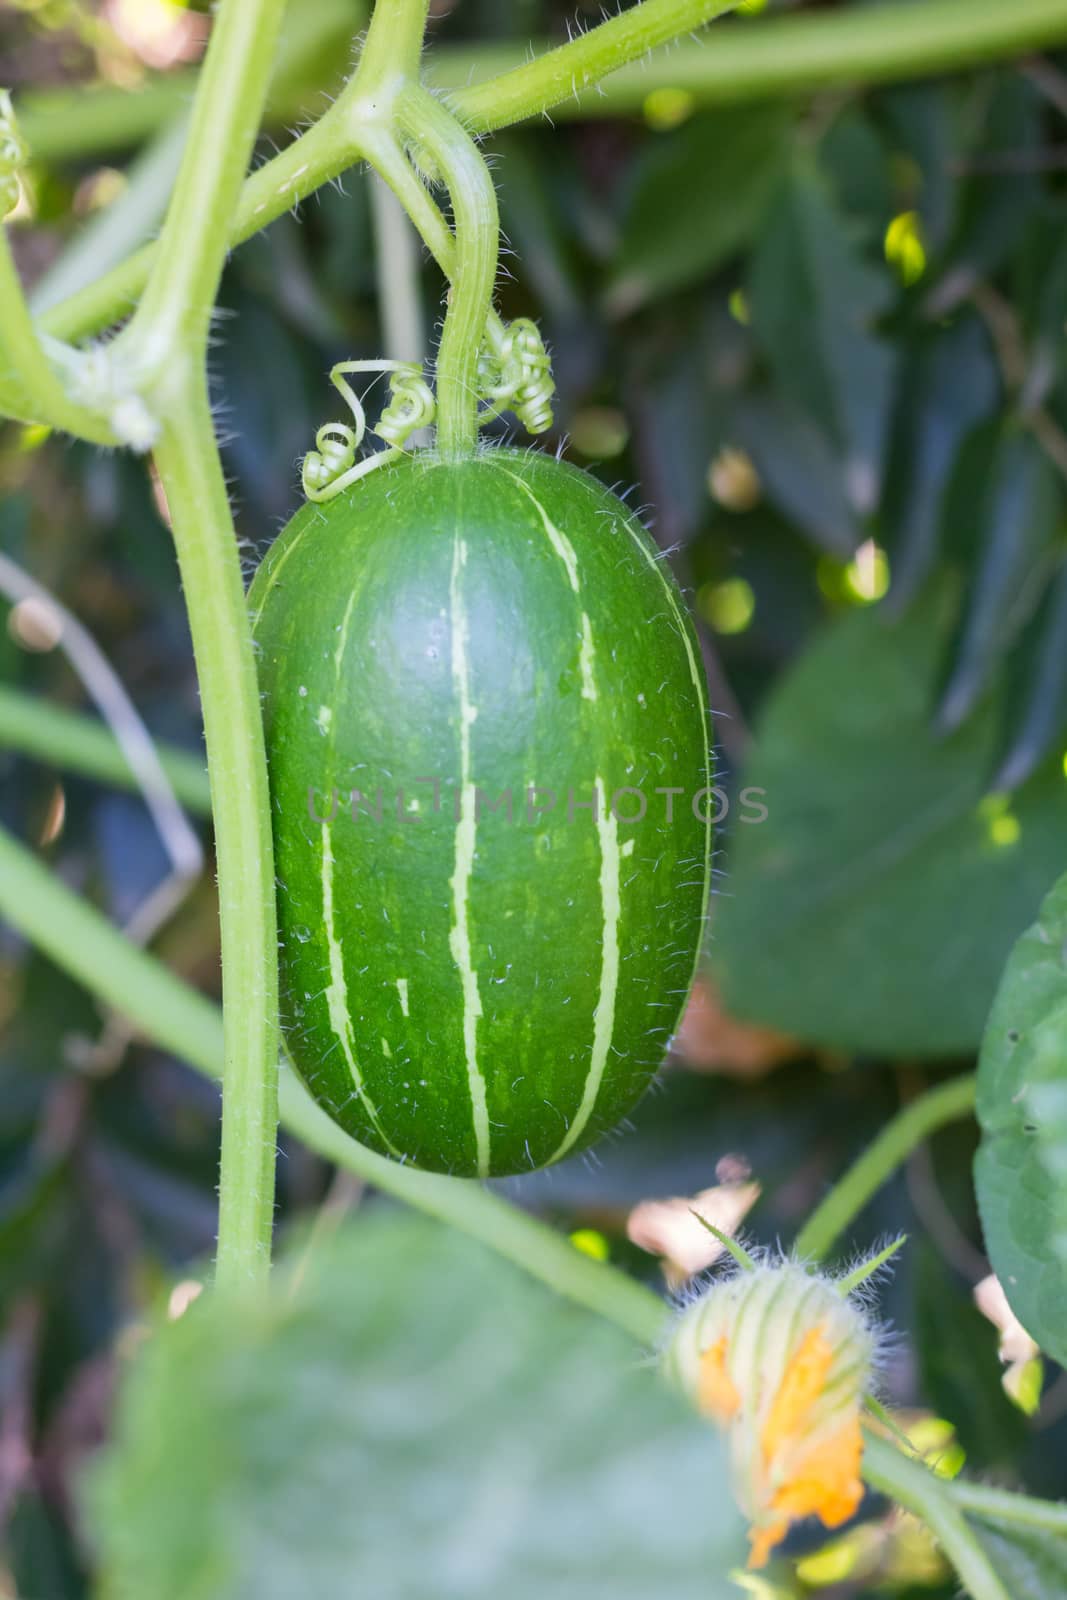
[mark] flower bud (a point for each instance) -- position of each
(780, 1358)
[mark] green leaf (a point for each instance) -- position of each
(813, 301)
(698, 196)
(1021, 1166)
(799, 470)
(407, 1416)
(874, 909)
(1011, 549)
(1035, 712)
(1000, 154)
(949, 385)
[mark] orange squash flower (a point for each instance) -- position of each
(780, 1359)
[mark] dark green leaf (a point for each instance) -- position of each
(1042, 298)
(1011, 548)
(1021, 1166)
(875, 907)
(918, 118)
(813, 301)
(698, 196)
(413, 1419)
(998, 160)
(949, 386)
(855, 160)
(1035, 717)
(799, 470)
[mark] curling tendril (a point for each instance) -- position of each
(332, 466)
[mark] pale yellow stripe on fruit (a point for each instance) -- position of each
(604, 1015)
(337, 990)
(466, 833)
(566, 552)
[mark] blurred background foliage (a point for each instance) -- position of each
(821, 339)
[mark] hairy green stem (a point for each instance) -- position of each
(192, 479)
(946, 1103)
(75, 742)
(1004, 1505)
(166, 346)
(562, 74)
(172, 321)
(393, 46)
(82, 941)
(427, 123)
(912, 1485)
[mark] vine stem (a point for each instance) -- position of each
(164, 348)
(392, 49)
(563, 73)
(476, 237)
(932, 1110)
(170, 326)
(191, 476)
(912, 1485)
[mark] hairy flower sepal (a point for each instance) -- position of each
(780, 1358)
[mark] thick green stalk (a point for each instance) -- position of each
(424, 121)
(912, 1485)
(1004, 1505)
(165, 347)
(75, 742)
(191, 475)
(562, 74)
(393, 46)
(172, 321)
(932, 1110)
(82, 941)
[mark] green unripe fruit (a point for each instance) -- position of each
(481, 970)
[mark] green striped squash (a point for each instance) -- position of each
(476, 979)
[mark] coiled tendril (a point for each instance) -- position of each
(332, 465)
(516, 375)
(12, 155)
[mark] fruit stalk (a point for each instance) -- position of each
(436, 133)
